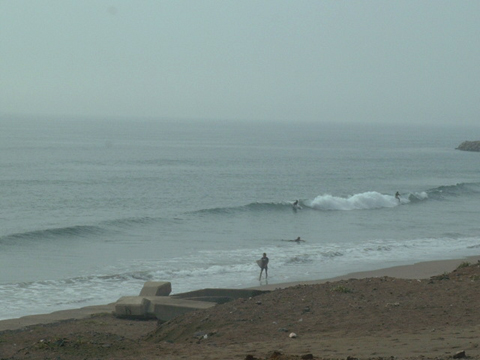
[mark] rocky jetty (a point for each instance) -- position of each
(469, 146)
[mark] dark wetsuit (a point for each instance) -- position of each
(264, 266)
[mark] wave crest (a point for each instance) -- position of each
(459, 189)
(71, 231)
(362, 201)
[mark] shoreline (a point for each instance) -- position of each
(421, 270)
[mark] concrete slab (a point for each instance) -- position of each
(156, 288)
(166, 308)
(132, 307)
(220, 294)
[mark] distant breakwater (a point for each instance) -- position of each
(469, 146)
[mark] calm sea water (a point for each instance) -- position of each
(90, 210)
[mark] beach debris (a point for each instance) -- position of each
(460, 355)
(292, 335)
(283, 329)
(201, 335)
(395, 304)
(307, 357)
(49, 344)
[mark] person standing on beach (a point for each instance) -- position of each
(263, 266)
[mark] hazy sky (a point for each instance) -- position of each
(258, 60)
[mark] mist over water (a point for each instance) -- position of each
(91, 210)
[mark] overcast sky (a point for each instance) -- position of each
(335, 61)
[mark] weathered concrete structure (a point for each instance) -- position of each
(160, 307)
(218, 296)
(154, 301)
(132, 306)
(156, 288)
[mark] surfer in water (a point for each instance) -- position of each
(297, 240)
(397, 196)
(263, 266)
(296, 205)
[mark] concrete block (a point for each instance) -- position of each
(132, 307)
(167, 308)
(156, 288)
(220, 293)
(154, 301)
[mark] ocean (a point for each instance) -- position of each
(92, 209)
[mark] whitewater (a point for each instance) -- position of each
(92, 209)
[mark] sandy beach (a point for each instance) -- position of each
(427, 310)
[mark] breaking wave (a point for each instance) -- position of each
(457, 190)
(66, 232)
(368, 200)
(79, 231)
(362, 201)
(326, 202)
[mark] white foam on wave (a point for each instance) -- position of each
(362, 201)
